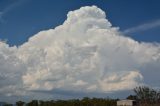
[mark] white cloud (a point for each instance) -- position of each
(84, 54)
(143, 27)
(119, 81)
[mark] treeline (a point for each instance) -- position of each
(146, 96)
(73, 102)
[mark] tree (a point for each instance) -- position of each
(20, 103)
(33, 103)
(147, 95)
(132, 97)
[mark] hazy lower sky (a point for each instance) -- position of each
(65, 49)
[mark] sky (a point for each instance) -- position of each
(56, 49)
(21, 19)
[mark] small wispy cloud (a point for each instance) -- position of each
(1, 19)
(143, 27)
(9, 8)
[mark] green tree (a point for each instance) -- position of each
(20, 103)
(132, 97)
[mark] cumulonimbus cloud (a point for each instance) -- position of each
(84, 54)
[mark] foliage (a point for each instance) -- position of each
(147, 95)
(132, 97)
(74, 102)
(19, 103)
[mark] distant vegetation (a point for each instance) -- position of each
(74, 102)
(145, 96)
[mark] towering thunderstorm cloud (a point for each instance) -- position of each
(84, 54)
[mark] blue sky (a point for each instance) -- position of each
(20, 19)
